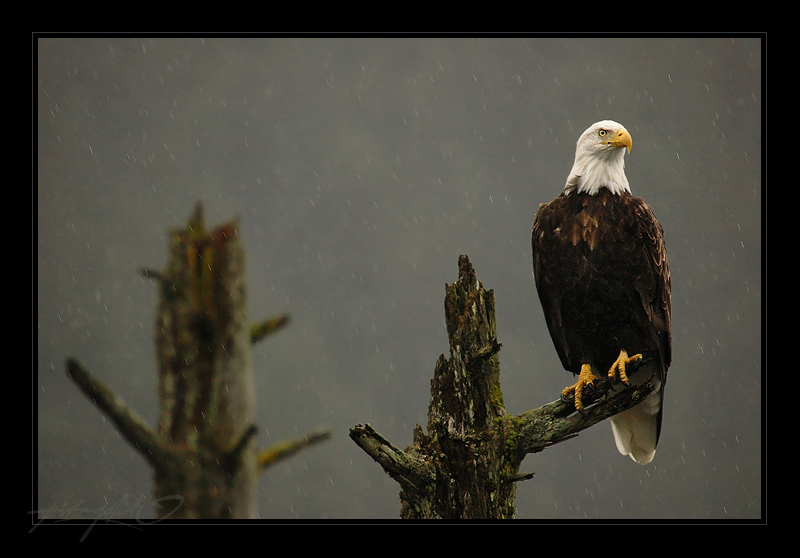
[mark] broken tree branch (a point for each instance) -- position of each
(132, 427)
(403, 466)
(287, 448)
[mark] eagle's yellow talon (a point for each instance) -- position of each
(585, 378)
(619, 365)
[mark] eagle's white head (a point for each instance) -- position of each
(600, 159)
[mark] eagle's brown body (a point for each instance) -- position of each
(601, 272)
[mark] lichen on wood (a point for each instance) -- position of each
(467, 464)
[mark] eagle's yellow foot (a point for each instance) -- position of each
(619, 365)
(585, 378)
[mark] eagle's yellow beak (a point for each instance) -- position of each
(622, 139)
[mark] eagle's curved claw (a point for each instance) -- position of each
(619, 366)
(585, 379)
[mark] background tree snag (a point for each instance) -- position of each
(203, 454)
(467, 465)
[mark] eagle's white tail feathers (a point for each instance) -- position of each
(636, 430)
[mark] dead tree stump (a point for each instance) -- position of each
(467, 464)
(203, 452)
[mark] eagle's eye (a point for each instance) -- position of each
(602, 133)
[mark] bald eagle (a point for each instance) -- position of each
(600, 267)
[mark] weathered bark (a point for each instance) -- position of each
(203, 455)
(206, 384)
(467, 465)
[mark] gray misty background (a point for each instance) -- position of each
(360, 170)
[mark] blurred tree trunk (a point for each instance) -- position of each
(203, 453)
(206, 385)
(467, 465)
